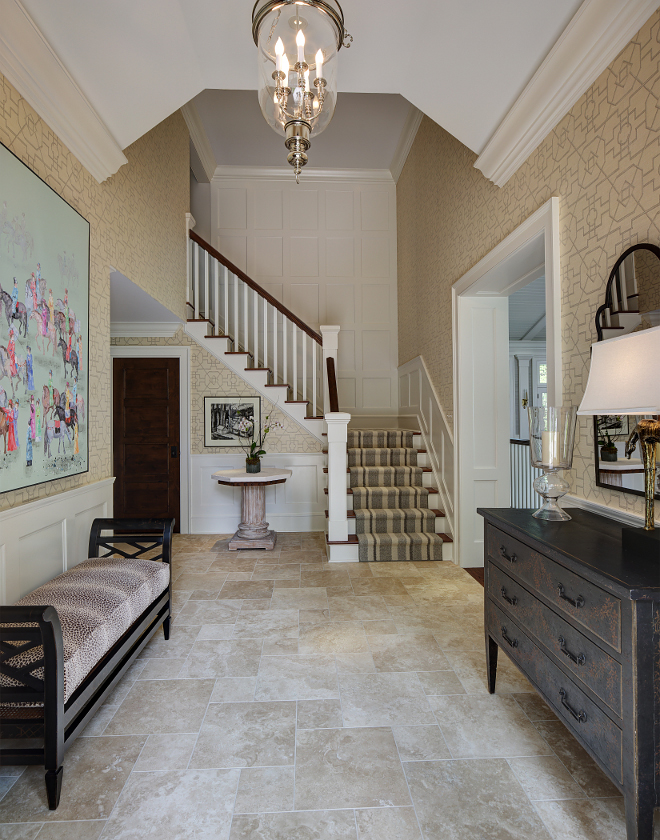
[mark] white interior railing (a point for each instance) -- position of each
(523, 494)
(257, 324)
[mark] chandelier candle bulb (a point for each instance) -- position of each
(319, 64)
(300, 41)
(279, 52)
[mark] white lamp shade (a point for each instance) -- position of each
(625, 375)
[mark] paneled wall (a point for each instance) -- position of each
(327, 250)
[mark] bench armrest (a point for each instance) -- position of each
(141, 535)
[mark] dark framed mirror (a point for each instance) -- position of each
(632, 302)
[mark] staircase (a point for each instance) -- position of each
(620, 314)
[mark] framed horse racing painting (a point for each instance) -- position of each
(44, 331)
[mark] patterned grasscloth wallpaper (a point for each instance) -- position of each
(210, 378)
(602, 160)
(137, 221)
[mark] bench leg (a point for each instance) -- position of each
(166, 628)
(53, 787)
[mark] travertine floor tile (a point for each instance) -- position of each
(21, 831)
(246, 735)
(234, 689)
(280, 571)
(95, 772)
(535, 708)
(310, 825)
(247, 589)
(440, 682)
(545, 777)
(577, 761)
(264, 789)
(311, 598)
(81, 830)
(339, 637)
(355, 663)
(390, 823)
(358, 608)
(162, 669)
(407, 653)
(464, 800)
(470, 668)
(187, 805)
(579, 819)
(166, 752)
(483, 727)
(383, 700)
(297, 678)
(348, 768)
(319, 714)
(262, 623)
(160, 706)
(223, 659)
(178, 645)
(420, 743)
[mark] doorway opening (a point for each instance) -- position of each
(482, 369)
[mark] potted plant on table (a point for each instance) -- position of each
(608, 432)
(255, 448)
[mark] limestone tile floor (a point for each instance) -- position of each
(300, 700)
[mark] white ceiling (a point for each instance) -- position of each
(527, 312)
(363, 134)
(462, 62)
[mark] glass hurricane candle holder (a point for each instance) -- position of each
(551, 439)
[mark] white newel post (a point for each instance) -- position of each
(337, 463)
(330, 336)
(190, 224)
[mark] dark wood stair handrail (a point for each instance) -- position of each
(332, 384)
(256, 287)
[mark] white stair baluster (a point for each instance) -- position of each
(196, 275)
(225, 319)
(255, 338)
(275, 345)
(313, 378)
(264, 352)
(285, 372)
(216, 295)
(236, 336)
(207, 304)
(303, 336)
(245, 318)
(294, 355)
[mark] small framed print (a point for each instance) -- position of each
(230, 421)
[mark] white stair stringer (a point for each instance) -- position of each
(220, 347)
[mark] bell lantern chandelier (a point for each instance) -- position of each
(298, 42)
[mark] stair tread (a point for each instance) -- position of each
(352, 540)
(351, 514)
(349, 490)
(386, 467)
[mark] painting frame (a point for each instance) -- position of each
(222, 414)
(45, 247)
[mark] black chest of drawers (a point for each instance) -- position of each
(583, 625)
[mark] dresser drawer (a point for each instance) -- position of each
(582, 601)
(591, 725)
(586, 661)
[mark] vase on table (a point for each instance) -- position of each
(252, 465)
(551, 438)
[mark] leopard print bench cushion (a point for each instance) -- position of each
(97, 601)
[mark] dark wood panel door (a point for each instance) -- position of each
(146, 438)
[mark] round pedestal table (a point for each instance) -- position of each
(253, 531)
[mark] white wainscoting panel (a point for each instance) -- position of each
(297, 505)
(418, 396)
(327, 251)
(45, 538)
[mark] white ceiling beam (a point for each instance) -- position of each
(285, 173)
(595, 36)
(200, 140)
(32, 67)
(532, 332)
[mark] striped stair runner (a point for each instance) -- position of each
(392, 517)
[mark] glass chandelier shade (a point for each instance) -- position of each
(298, 42)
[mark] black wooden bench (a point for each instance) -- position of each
(40, 715)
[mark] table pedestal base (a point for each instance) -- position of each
(253, 531)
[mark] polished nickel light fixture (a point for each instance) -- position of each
(298, 42)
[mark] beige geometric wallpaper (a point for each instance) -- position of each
(602, 160)
(137, 226)
(210, 378)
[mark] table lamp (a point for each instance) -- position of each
(625, 379)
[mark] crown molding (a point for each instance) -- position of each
(141, 329)
(598, 32)
(285, 173)
(29, 63)
(410, 128)
(200, 140)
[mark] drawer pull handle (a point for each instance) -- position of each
(581, 716)
(513, 601)
(580, 659)
(578, 602)
(512, 642)
(510, 557)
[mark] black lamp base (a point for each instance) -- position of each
(639, 544)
